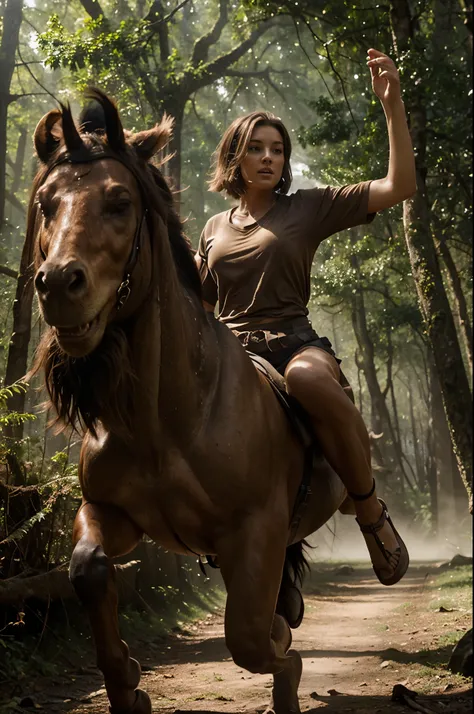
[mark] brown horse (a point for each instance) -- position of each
(184, 439)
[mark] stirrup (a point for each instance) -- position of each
(400, 554)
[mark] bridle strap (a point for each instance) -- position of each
(124, 290)
(86, 156)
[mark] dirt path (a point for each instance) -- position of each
(357, 638)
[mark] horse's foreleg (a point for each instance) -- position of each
(102, 532)
(251, 565)
(286, 682)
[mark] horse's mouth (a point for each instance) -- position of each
(76, 333)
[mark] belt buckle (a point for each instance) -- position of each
(256, 335)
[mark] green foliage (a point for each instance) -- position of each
(95, 43)
(11, 418)
(334, 125)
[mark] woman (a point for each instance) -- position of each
(255, 261)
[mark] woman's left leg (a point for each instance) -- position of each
(313, 379)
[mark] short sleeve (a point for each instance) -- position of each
(209, 285)
(330, 210)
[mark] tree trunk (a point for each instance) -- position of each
(434, 303)
(12, 17)
(381, 421)
(55, 585)
(17, 360)
(460, 300)
(19, 161)
(416, 443)
(432, 479)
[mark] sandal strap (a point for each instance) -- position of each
(363, 496)
(374, 528)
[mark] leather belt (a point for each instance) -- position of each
(260, 341)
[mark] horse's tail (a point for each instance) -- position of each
(290, 602)
(296, 564)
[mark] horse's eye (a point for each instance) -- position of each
(119, 208)
(45, 208)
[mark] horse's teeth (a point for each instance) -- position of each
(73, 331)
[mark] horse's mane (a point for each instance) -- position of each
(101, 385)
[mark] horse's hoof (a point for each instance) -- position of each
(142, 705)
(285, 687)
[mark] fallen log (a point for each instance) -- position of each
(55, 585)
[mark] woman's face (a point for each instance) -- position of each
(262, 167)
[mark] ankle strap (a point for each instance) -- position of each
(363, 496)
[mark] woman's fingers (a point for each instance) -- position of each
(375, 53)
(381, 62)
(373, 72)
(386, 74)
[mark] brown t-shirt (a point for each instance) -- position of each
(263, 271)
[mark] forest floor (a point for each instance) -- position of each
(357, 641)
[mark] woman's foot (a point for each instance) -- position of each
(387, 550)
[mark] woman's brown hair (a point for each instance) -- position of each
(233, 148)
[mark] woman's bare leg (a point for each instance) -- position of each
(313, 379)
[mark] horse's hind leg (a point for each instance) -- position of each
(102, 532)
(251, 564)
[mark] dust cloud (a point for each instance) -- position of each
(341, 540)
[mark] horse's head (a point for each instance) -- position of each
(87, 215)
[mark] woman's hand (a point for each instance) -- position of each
(385, 78)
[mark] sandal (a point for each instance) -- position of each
(399, 559)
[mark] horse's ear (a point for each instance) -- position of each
(48, 135)
(148, 143)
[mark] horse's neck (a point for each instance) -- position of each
(170, 339)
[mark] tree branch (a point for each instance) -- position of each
(16, 97)
(5, 270)
(321, 75)
(93, 8)
(35, 79)
(202, 46)
(331, 64)
(218, 68)
(168, 17)
(157, 19)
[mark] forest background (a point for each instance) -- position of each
(393, 297)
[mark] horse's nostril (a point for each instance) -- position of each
(40, 282)
(77, 281)
(56, 280)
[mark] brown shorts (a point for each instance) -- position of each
(278, 345)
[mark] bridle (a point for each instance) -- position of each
(84, 155)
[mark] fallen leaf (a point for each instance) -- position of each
(385, 664)
(363, 684)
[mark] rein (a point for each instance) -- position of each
(85, 156)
